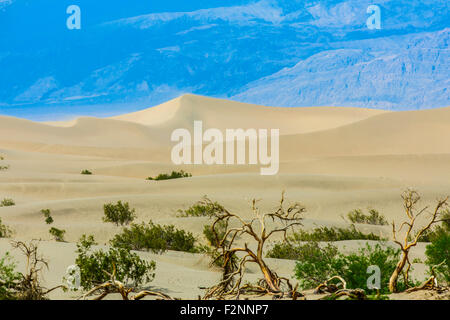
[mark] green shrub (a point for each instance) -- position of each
(437, 252)
(47, 215)
(57, 234)
(173, 175)
(354, 266)
(5, 231)
(8, 277)
(7, 202)
(332, 234)
(86, 172)
(374, 217)
(119, 213)
(155, 238)
(4, 167)
(201, 209)
(97, 266)
(315, 265)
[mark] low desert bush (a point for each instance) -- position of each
(57, 234)
(87, 172)
(27, 285)
(4, 167)
(47, 215)
(7, 202)
(119, 213)
(332, 234)
(315, 265)
(373, 217)
(173, 175)
(156, 238)
(201, 209)
(214, 238)
(8, 277)
(97, 266)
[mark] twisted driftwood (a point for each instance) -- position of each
(115, 286)
(410, 201)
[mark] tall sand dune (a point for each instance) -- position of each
(332, 160)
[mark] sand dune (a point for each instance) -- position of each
(222, 114)
(396, 133)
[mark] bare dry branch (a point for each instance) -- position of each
(284, 219)
(410, 200)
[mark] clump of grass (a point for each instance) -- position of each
(57, 234)
(373, 217)
(119, 213)
(87, 172)
(47, 215)
(214, 239)
(155, 238)
(7, 202)
(173, 175)
(201, 209)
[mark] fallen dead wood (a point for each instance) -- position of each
(114, 286)
(328, 287)
(431, 283)
(335, 292)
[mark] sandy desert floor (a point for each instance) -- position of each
(332, 160)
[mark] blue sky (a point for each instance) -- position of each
(134, 54)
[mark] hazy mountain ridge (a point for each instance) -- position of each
(413, 77)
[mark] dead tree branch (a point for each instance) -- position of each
(410, 200)
(29, 287)
(257, 229)
(114, 286)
